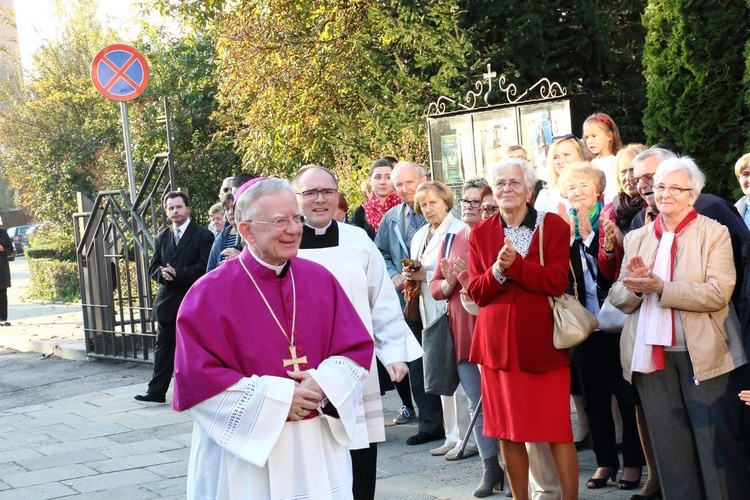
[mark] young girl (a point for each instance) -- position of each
(602, 138)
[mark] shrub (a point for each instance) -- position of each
(52, 279)
(53, 267)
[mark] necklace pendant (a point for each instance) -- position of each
(294, 362)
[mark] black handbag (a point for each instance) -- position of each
(439, 360)
(440, 373)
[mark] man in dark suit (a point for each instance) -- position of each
(180, 256)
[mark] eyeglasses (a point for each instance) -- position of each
(564, 138)
(471, 203)
(282, 223)
(490, 209)
(511, 184)
(646, 178)
(312, 194)
(673, 190)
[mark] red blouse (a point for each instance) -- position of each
(519, 307)
(462, 323)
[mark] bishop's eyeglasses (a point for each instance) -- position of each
(282, 223)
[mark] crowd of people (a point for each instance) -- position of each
(284, 324)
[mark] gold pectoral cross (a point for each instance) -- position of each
(295, 361)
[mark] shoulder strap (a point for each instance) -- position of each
(541, 257)
(541, 240)
(448, 244)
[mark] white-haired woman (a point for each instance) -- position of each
(525, 380)
(682, 339)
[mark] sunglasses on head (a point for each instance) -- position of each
(564, 138)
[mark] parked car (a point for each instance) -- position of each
(19, 236)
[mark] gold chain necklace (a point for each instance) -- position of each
(294, 362)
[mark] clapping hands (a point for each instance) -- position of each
(641, 278)
(506, 256)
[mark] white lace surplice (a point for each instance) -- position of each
(243, 447)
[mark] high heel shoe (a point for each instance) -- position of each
(599, 482)
(656, 495)
(624, 484)
(493, 478)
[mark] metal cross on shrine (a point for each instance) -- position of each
(295, 361)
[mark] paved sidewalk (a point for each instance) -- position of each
(105, 445)
(44, 327)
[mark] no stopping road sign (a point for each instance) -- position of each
(119, 72)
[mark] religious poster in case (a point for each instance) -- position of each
(451, 150)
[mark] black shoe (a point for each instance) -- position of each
(583, 444)
(150, 398)
(624, 484)
(653, 496)
(599, 482)
(423, 437)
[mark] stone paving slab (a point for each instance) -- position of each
(38, 492)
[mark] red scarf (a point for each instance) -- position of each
(374, 210)
(657, 350)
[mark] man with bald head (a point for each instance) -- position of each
(394, 241)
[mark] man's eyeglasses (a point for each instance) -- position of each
(673, 190)
(490, 209)
(282, 223)
(646, 178)
(312, 194)
(511, 184)
(472, 203)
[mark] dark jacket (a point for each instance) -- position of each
(7, 244)
(189, 261)
(359, 219)
(218, 246)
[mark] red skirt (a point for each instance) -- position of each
(526, 407)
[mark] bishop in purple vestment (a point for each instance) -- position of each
(270, 363)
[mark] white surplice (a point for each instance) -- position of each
(243, 447)
(360, 269)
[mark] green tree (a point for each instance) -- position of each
(61, 137)
(343, 82)
(183, 70)
(57, 139)
(694, 66)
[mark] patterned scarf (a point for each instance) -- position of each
(626, 208)
(655, 329)
(593, 217)
(374, 210)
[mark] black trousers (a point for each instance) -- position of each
(3, 304)
(430, 408)
(364, 471)
(163, 359)
(597, 361)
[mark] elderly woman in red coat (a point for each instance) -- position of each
(525, 380)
